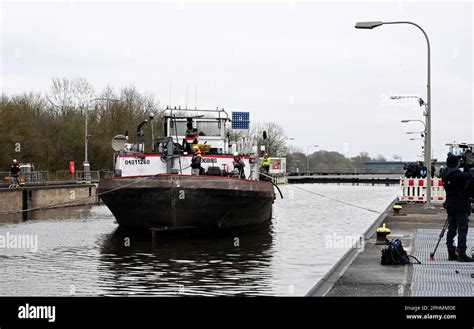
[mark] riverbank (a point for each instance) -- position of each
(385, 179)
(17, 203)
(418, 228)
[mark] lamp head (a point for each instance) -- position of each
(367, 25)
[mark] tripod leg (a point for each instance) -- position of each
(439, 240)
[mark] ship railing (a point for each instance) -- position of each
(279, 178)
(60, 177)
(210, 114)
(346, 171)
(87, 177)
(81, 177)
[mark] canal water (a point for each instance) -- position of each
(79, 251)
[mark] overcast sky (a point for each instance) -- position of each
(302, 65)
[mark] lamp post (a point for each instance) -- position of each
(86, 164)
(423, 134)
(371, 25)
(307, 158)
(151, 115)
(297, 167)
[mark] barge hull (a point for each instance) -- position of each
(188, 202)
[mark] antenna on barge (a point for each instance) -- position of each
(187, 96)
(195, 96)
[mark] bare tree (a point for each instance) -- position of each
(69, 94)
(294, 149)
(275, 143)
(381, 158)
(397, 157)
(360, 160)
(83, 93)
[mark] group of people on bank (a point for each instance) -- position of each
(418, 170)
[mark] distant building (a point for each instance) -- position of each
(278, 166)
(394, 165)
(388, 165)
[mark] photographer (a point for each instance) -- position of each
(458, 207)
(411, 170)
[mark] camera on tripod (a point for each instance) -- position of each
(464, 152)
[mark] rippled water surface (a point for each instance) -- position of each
(81, 252)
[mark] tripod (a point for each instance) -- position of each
(445, 226)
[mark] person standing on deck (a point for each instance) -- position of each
(266, 166)
(239, 165)
(196, 163)
(191, 136)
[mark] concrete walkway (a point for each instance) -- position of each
(364, 276)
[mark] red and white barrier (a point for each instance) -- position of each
(414, 189)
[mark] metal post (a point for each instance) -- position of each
(86, 165)
(152, 116)
(85, 138)
(87, 174)
(371, 25)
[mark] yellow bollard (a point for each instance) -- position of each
(382, 233)
(396, 209)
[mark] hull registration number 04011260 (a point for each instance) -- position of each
(137, 162)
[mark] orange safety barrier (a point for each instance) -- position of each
(414, 189)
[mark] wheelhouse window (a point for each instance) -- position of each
(205, 128)
(179, 129)
(208, 128)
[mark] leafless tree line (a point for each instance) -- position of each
(49, 129)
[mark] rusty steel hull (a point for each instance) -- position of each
(173, 202)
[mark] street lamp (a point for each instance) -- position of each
(307, 158)
(406, 121)
(419, 139)
(297, 166)
(86, 136)
(422, 133)
(421, 102)
(422, 147)
(373, 24)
